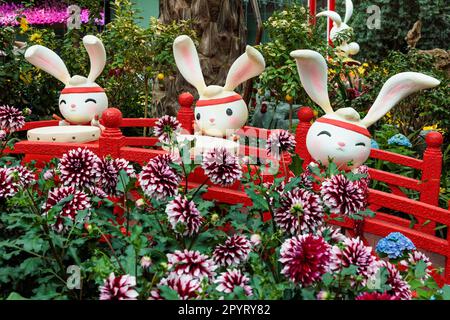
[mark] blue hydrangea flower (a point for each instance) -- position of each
(399, 140)
(394, 245)
(374, 144)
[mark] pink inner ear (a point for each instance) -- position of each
(316, 78)
(398, 89)
(186, 53)
(241, 74)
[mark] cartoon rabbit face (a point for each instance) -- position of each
(220, 111)
(82, 100)
(341, 135)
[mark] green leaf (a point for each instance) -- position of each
(15, 296)
(327, 279)
(296, 165)
(168, 293)
(420, 270)
(446, 292)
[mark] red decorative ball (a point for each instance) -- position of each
(305, 114)
(112, 118)
(185, 100)
(434, 139)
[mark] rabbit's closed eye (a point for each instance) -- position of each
(324, 132)
(62, 101)
(90, 100)
(362, 144)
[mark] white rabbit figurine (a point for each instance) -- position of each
(339, 26)
(82, 101)
(220, 111)
(341, 135)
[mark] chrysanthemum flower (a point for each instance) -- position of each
(3, 135)
(233, 251)
(79, 168)
(354, 253)
(343, 196)
(305, 258)
(8, 187)
(375, 296)
(70, 209)
(11, 119)
(399, 287)
(221, 167)
(118, 288)
(23, 176)
(229, 280)
(280, 141)
(109, 170)
(300, 210)
(183, 213)
(186, 286)
(158, 179)
(394, 245)
(364, 182)
(331, 235)
(192, 263)
(413, 258)
(166, 128)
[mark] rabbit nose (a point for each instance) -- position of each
(73, 105)
(341, 144)
(212, 120)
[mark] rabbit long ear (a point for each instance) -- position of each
(313, 72)
(333, 16)
(188, 63)
(394, 90)
(47, 60)
(348, 10)
(97, 56)
(248, 65)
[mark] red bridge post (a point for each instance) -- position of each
(186, 113)
(305, 115)
(111, 139)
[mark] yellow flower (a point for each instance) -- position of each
(23, 25)
(433, 127)
(26, 78)
(36, 37)
(442, 190)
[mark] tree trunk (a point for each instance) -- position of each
(221, 29)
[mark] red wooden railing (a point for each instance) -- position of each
(112, 142)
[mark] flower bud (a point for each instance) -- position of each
(3, 134)
(323, 295)
(140, 203)
(49, 174)
(214, 217)
(255, 239)
(146, 262)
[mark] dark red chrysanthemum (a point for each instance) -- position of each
(186, 286)
(233, 251)
(8, 187)
(229, 280)
(375, 296)
(300, 210)
(354, 253)
(79, 168)
(23, 176)
(109, 170)
(70, 209)
(280, 141)
(221, 167)
(166, 128)
(364, 182)
(192, 263)
(399, 287)
(305, 258)
(158, 179)
(184, 215)
(331, 235)
(343, 196)
(118, 288)
(11, 119)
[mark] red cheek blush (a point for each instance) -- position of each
(234, 121)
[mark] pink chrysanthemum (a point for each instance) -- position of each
(280, 141)
(192, 263)
(119, 288)
(221, 167)
(354, 253)
(229, 280)
(233, 251)
(186, 286)
(300, 210)
(70, 209)
(375, 296)
(166, 128)
(79, 168)
(3, 135)
(412, 260)
(8, 187)
(23, 176)
(343, 196)
(305, 258)
(109, 170)
(184, 214)
(158, 179)
(364, 182)
(306, 179)
(11, 119)
(331, 235)
(399, 287)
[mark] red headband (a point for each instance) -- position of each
(212, 102)
(346, 125)
(82, 90)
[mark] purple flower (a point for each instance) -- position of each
(79, 168)
(192, 263)
(184, 214)
(8, 187)
(11, 119)
(233, 251)
(221, 167)
(185, 286)
(166, 129)
(280, 141)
